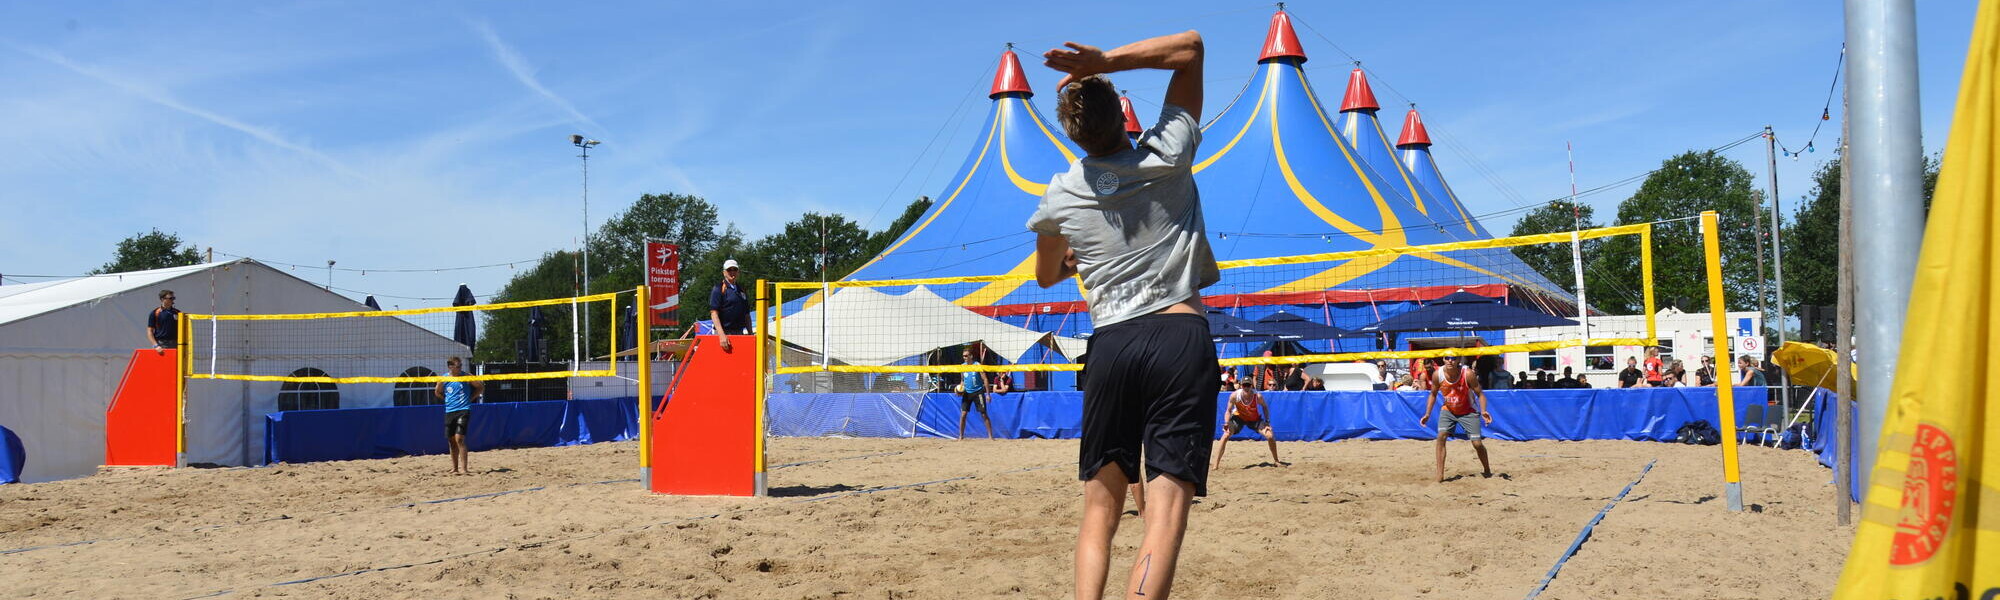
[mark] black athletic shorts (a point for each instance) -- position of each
(456, 422)
(1151, 381)
(970, 400)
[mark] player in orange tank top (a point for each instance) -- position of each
(1246, 410)
(1459, 387)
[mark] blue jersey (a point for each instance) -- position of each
(457, 396)
(974, 383)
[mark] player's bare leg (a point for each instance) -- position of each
(1440, 456)
(1485, 468)
(1166, 524)
(1103, 500)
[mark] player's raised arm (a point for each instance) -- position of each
(1181, 52)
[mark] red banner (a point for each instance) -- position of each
(663, 278)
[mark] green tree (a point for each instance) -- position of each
(1685, 186)
(616, 261)
(1553, 260)
(812, 248)
(150, 250)
(553, 277)
(1812, 239)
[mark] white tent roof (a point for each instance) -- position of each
(19, 302)
(872, 328)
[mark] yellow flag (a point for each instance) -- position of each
(1930, 526)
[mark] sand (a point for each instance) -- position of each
(877, 518)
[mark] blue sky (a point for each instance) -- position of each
(425, 135)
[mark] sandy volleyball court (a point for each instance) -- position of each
(881, 518)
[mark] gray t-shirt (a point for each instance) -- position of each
(1134, 220)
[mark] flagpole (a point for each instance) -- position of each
(1886, 156)
(1843, 327)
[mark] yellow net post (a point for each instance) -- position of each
(645, 363)
(185, 363)
(759, 374)
(1646, 275)
(1725, 397)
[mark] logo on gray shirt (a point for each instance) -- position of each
(1106, 183)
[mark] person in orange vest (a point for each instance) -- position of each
(1458, 387)
(1247, 410)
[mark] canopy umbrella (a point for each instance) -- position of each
(1226, 329)
(1290, 327)
(1810, 365)
(465, 327)
(1463, 311)
(372, 305)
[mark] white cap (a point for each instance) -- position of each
(729, 264)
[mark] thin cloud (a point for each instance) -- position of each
(526, 74)
(162, 98)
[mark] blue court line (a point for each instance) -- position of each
(1585, 534)
(828, 460)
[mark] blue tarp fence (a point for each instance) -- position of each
(13, 456)
(1826, 446)
(1650, 414)
(360, 433)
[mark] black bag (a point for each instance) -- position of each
(1698, 432)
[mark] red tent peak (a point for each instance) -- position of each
(1281, 41)
(1413, 131)
(1359, 96)
(1131, 118)
(1009, 78)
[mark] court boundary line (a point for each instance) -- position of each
(1583, 536)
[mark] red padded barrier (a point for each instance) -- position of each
(139, 424)
(705, 437)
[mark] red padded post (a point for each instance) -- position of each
(705, 436)
(139, 424)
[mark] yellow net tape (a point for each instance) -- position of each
(1643, 230)
(409, 311)
(428, 379)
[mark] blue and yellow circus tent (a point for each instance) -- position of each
(1278, 177)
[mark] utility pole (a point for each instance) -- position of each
(1778, 260)
(584, 243)
(1843, 328)
(329, 275)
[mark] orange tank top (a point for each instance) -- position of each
(1457, 394)
(1246, 409)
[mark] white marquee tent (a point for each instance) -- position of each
(872, 328)
(65, 344)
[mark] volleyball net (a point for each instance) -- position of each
(410, 348)
(1477, 298)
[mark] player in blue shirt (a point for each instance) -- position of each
(458, 397)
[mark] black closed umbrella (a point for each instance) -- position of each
(628, 327)
(1465, 311)
(465, 328)
(372, 304)
(1290, 327)
(537, 326)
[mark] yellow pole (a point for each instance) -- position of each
(1646, 278)
(184, 367)
(759, 373)
(645, 362)
(614, 334)
(1725, 396)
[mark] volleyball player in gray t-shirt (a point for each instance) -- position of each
(1128, 220)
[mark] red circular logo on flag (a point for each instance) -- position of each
(1930, 492)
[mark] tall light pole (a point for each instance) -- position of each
(584, 242)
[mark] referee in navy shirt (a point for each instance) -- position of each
(729, 308)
